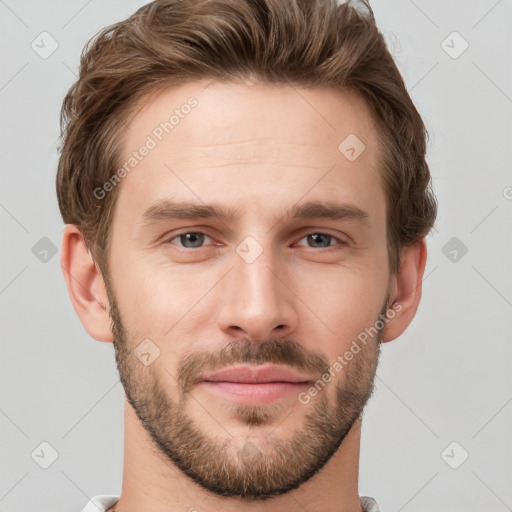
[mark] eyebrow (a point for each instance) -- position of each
(168, 210)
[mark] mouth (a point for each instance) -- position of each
(255, 385)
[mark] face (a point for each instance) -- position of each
(248, 253)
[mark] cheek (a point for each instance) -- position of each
(342, 302)
(157, 299)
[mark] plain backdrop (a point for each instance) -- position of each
(436, 433)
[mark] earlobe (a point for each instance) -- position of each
(85, 285)
(405, 292)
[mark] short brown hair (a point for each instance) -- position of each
(311, 43)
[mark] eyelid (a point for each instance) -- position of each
(168, 240)
(304, 234)
(340, 240)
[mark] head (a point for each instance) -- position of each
(208, 147)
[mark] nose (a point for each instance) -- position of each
(257, 301)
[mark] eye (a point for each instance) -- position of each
(322, 240)
(196, 240)
(189, 239)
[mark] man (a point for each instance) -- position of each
(246, 197)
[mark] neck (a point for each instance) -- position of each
(152, 482)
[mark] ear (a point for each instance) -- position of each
(405, 290)
(85, 285)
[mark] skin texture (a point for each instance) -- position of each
(287, 295)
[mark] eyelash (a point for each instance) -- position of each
(185, 249)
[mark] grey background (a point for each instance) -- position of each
(446, 379)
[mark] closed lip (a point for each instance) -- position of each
(255, 375)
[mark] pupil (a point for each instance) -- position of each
(191, 237)
(316, 236)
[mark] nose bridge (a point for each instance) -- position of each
(256, 270)
(255, 300)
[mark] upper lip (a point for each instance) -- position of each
(255, 374)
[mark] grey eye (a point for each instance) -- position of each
(319, 240)
(191, 240)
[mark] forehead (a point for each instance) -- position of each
(249, 146)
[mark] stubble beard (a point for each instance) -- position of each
(260, 467)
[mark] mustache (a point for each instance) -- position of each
(275, 351)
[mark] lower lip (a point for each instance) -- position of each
(255, 394)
